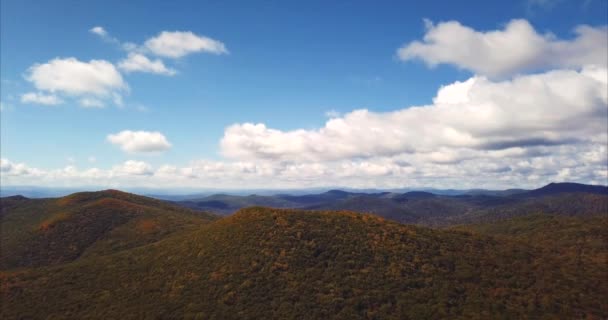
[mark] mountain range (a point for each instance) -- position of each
(110, 254)
(425, 207)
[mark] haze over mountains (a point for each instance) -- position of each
(423, 207)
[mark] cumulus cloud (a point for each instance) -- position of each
(74, 78)
(100, 31)
(171, 44)
(498, 132)
(40, 98)
(137, 62)
(522, 167)
(515, 49)
(140, 141)
(132, 167)
(553, 108)
(8, 168)
(177, 44)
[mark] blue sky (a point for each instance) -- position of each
(287, 65)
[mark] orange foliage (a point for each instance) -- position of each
(51, 221)
(147, 226)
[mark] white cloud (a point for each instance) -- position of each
(73, 78)
(179, 43)
(100, 31)
(524, 131)
(91, 103)
(174, 44)
(515, 49)
(522, 167)
(132, 167)
(8, 168)
(554, 108)
(140, 141)
(103, 34)
(138, 62)
(40, 98)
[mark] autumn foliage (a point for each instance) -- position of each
(264, 263)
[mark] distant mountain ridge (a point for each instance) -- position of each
(565, 187)
(421, 206)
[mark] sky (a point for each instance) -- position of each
(300, 94)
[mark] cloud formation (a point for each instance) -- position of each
(132, 168)
(100, 31)
(515, 49)
(8, 168)
(498, 128)
(553, 108)
(137, 62)
(40, 98)
(177, 44)
(71, 77)
(140, 141)
(518, 166)
(166, 44)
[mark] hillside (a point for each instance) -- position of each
(577, 204)
(578, 245)
(385, 208)
(290, 264)
(39, 232)
(564, 187)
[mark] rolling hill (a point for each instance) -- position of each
(291, 264)
(40, 232)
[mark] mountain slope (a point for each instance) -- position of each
(576, 204)
(577, 245)
(564, 187)
(38, 232)
(288, 264)
(383, 207)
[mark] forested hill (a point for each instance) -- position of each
(40, 232)
(266, 263)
